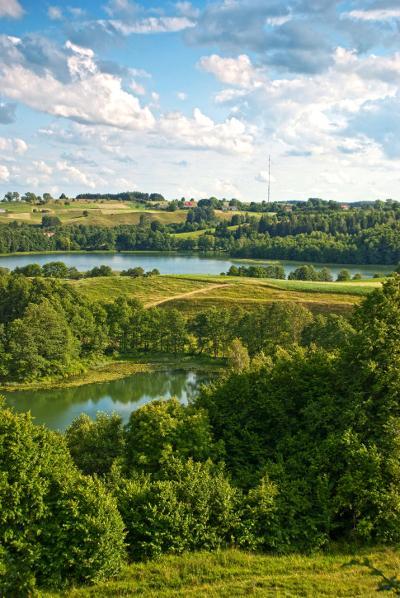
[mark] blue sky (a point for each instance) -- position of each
(190, 98)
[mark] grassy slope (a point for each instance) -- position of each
(233, 573)
(103, 214)
(107, 213)
(145, 289)
(191, 293)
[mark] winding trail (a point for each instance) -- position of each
(209, 287)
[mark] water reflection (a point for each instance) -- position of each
(57, 408)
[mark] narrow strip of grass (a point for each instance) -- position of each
(234, 573)
(121, 367)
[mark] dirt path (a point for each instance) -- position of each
(209, 287)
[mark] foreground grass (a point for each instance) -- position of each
(236, 573)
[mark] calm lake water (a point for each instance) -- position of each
(57, 408)
(164, 262)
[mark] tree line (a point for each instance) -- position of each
(363, 235)
(294, 451)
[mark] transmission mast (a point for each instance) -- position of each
(269, 178)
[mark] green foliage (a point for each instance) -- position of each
(41, 343)
(324, 428)
(29, 270)
(56, 527)
(238, 356)
(95, 444)
(50, 221)
(164, 428)
(274, 271)
(102, 270)
(329, 332)
(276, 324)
(192, 507)
(55, 270)
(343, 276)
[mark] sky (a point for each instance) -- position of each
(190, 98)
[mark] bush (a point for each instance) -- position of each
(163, 427)
(56, 526)
(343, 276)
(99, 271)
(55, 270)
(50, 221)
(193, 507)
(95, 444)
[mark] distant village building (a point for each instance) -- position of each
(48, 234)
(190, 204)
(344, 206)
(226, 207)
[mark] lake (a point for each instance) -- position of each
(58, 407)
(166, 263)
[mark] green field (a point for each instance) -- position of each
(147, 290)
(197, 233)
(107, 213)
(191, 293)
(234, 573)
(99, 213)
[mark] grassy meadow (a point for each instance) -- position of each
(191, 293)
(107, 213)
(98, 213)
(234, 573)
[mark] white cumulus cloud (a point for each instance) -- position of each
(201, 132)
(11, 8)
(378, 14)
(90, 96)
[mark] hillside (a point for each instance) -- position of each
(87, 212)
(192, 293)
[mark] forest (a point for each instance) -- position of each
(295, 447)
(366, 234)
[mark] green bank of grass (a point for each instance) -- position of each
(121, 367)
(103, 372)
(234, 573)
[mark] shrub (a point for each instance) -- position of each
(163, 427)
(95, 444)
(193, 507)
(56, 526)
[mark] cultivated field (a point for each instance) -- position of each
(234, 573)
(100, 213)
(191, 293)
(107, 213)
